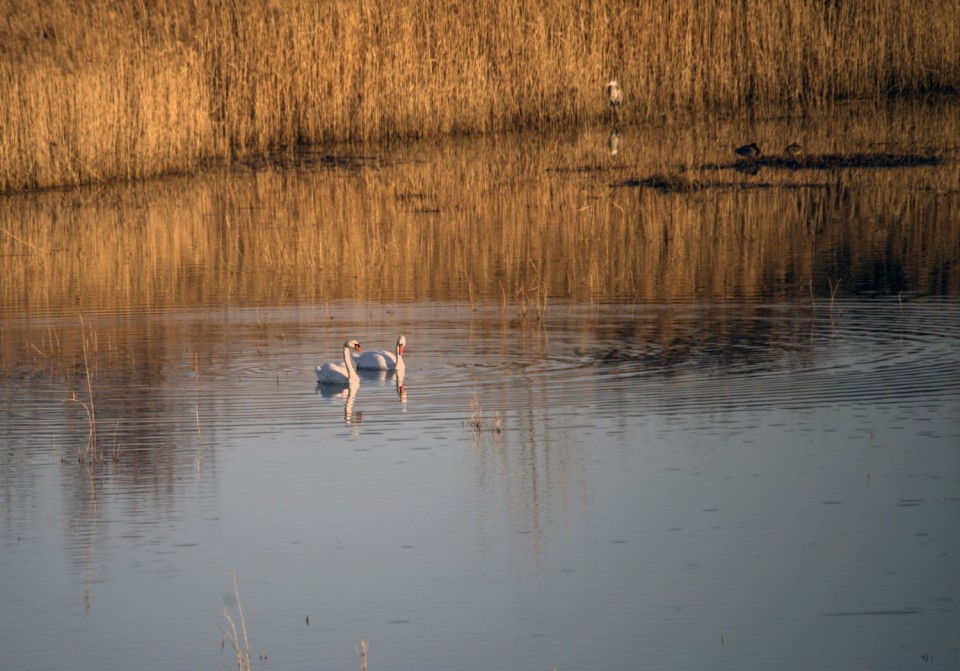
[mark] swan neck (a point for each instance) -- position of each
(348, 362)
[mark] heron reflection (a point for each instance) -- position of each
(614, 141)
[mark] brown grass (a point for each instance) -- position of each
(97, 89)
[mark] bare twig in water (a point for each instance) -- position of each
(362, 651)
(116, 446)
(478, 423)
(24, 242)
(241, 646)
(88, 407)
(541, 291)
(476, 414)
(833, 291)
(200, 434)
(522, 308)
(91, 431)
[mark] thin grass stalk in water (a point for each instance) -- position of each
(476, 414)
(362, 651)
(241, 646)
(92, 410)
(200, 438)
(89, 408)
(116, 446)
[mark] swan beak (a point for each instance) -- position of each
(357, 347)
(401, 350)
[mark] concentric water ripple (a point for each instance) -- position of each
(774, 357)
(256, 377)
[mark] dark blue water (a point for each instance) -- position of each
(543, 495)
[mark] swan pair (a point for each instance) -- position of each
(354, 357)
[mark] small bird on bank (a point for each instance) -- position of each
(748, 150)
(615, 95)
(794, 149)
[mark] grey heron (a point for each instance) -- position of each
(615, 95)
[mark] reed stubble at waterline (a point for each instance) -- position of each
(97, 90)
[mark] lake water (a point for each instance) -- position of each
(638, 428)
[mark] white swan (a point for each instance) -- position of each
(380, 360)
(334, 373)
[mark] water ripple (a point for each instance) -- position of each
(858, 353)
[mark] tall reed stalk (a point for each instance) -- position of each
(94, 90)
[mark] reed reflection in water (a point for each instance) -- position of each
(507, 218)
(727, 417)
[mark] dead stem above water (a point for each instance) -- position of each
(237, 639)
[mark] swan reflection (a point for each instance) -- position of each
(349, 395)
(401, 390)
(384, 377)
(374, 375)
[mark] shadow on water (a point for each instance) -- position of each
(682, 183)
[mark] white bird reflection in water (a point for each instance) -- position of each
(383, 376)
(366, 377)
(614, 141)
(401, 390)
(349, 395)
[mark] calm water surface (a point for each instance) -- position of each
(721, 478)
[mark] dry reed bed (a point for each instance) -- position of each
(97, 90)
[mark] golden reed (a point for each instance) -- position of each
(94, 90)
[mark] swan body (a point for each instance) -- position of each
(380, 360)
(334, 373)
